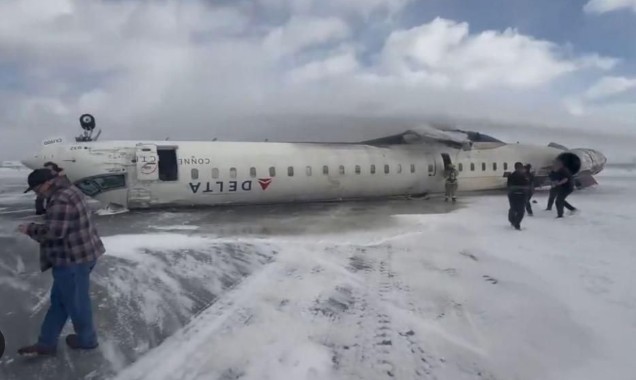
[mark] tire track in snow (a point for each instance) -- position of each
(380, 351)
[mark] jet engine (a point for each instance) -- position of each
(583, 163)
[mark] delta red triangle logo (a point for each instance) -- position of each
(264, 182)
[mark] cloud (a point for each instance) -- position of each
(337, 65)
(338, 7)
(595, 99)
(443, 52)
(609, 86)
(605, 6)
(248, 70)
(302, 32)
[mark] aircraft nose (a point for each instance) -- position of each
(32, 162)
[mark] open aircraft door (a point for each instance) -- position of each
(147, 162)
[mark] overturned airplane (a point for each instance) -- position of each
(146, 174)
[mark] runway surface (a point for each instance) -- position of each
(413, 289)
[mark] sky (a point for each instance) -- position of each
(311, 69)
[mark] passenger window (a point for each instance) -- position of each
(372, 169)
(215, 173)
(272, 171)
(386, 169)
(194, 173)
(290, 171)
(430, 168)
(412, 168)
(399, 168)
(494, 166)
(483, 166)
(472, 166)
(253, 172)
(505, 166)
(342, 170)
(308, 170)
(358, 169)
(325, 170)
(461, 167)
(232, 172)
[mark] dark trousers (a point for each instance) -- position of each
(517, 208)
(528, 204)
(561, 202)
(70, 298)
(553, 194)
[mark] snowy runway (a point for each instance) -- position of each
(457, 295)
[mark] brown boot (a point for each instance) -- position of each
(36, 350)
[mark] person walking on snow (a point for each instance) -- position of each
(517, 195)
(70, 246)
(450, 174)
(564, 187)
(530, 176)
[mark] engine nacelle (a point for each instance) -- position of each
(583, 164)
(590, 161)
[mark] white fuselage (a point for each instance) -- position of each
(165, 173)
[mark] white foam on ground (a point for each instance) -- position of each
(175, 228)
(455, 296)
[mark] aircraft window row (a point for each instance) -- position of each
(94, 185)
(460, 167)
(194, 173)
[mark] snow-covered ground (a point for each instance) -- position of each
(360, 291)
(443, 296)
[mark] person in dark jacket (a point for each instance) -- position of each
(70, 246)
(564, 187)
(553, 189)
(530, 176)
(517, 195)
(40, 201)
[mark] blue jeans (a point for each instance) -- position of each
(70, 298)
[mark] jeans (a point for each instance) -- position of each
(529, 204)
(553, 194)
(517, 208)
(70, 298)
(561, 202)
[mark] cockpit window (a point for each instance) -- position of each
(111, 182)
(94, 185)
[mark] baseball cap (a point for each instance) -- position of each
(38, 177)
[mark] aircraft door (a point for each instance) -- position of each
(147, 163)
(447, 160)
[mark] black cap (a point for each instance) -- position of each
(38, 177)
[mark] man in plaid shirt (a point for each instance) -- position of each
(70, 247)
